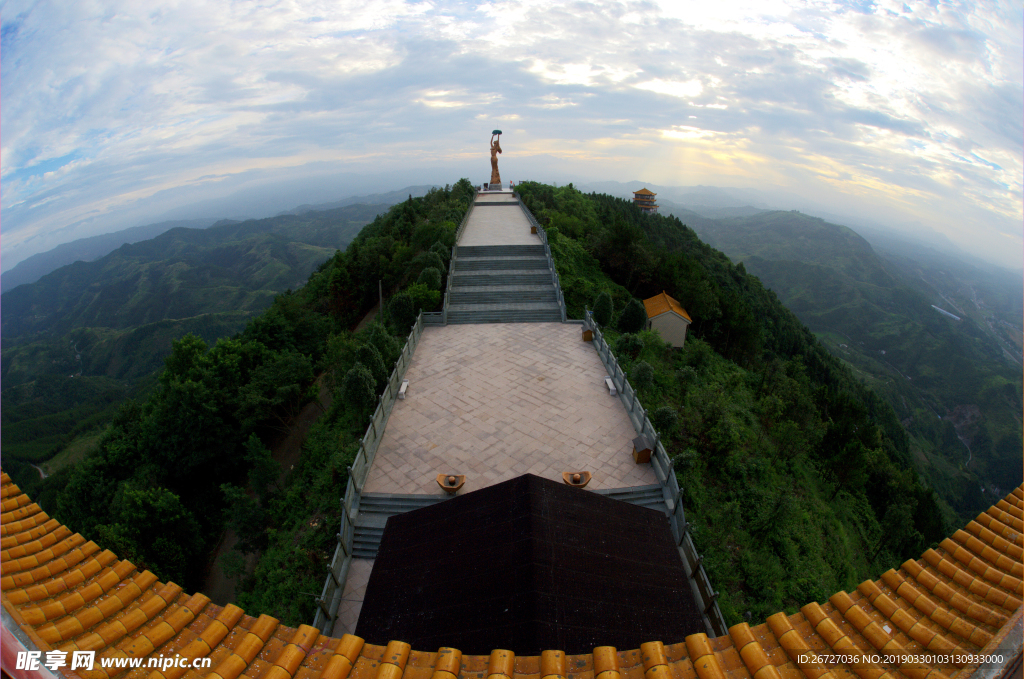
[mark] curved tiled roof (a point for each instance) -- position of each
(66, 593)
(662, 304)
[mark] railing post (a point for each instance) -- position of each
(357, 471)
(665, 472)
(712, 603)
(355, 483)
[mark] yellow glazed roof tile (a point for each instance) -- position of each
(65, 593)
(662, 304)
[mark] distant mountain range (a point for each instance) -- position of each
(96, 331)
(90, 249)
(388, 198)
(724, 202)
(117, 316)
(956, 385)
(86, 250)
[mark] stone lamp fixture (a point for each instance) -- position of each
(576, 479)
(451, 483)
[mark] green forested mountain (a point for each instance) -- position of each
(96, 330)
(798, 479)
(35, 267)
(955, 385)
(183, 273)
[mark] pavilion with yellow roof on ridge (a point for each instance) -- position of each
(644, 200)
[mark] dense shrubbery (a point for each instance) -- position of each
(603, 309)
(173, 471)
(796, 478)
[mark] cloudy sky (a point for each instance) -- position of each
(124, 112)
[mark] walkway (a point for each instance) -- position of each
(501, 222)
(494, 401)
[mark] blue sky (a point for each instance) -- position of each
(126, 112)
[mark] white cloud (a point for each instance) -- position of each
(673, 88)
(111, 107)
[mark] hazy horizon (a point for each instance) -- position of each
(713, 197)
(895, 114)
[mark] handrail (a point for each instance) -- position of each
(330, 597)
(707, 597)
(451, 261)
(547, 251)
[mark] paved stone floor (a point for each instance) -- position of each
(352, 597)
(498, 225)
(499, 400)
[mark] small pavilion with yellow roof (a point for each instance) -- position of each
(644, 200)
(668, 317)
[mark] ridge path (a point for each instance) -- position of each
(494, 401)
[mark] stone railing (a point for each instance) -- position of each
(706, 596)
(441, 318)
(330, 598)
(547, 251)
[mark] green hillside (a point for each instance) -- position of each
(183, 273)
(798, 480)
(954, 385)
(99, 329)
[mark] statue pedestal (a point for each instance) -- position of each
(494, 187)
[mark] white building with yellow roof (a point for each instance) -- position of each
(668, 317)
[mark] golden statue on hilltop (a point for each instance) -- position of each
(495, 150)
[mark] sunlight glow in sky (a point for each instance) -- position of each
(122, 112)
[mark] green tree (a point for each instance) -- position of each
(665, 419)
(633, 317)
(898, 531)
(441, 250)
(276, 389)
(423, 298)
(232, 564)
(850, 468)
(430, 277)
(263, 469)
(357, 389)
(402, 311)
(244, 514)
(368, 355)
(604, 308)
(629, 345)
(152, 528)
(642, 376)
(386, 344)
(426, 260)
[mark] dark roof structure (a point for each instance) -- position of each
(954, 613)
(528, 564)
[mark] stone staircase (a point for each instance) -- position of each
(651, 497)
(502, 284)
(376, 508)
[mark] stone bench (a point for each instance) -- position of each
(611, 385)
